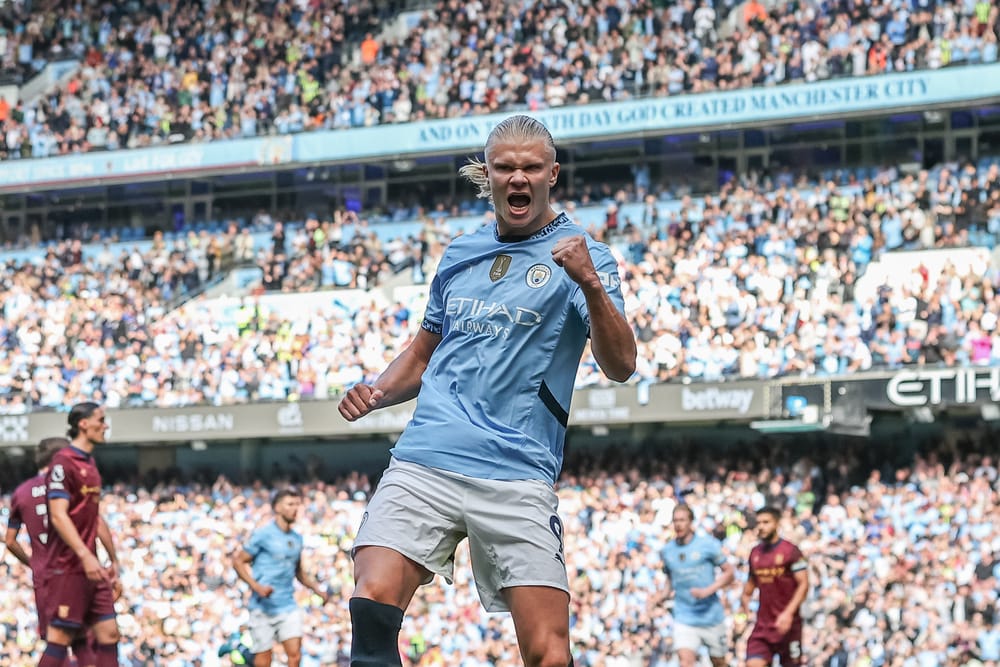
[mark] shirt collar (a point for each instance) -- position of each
(80, 453)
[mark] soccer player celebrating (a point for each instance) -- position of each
(779, 570)
(495, 361)
(690, 560)
(79, 591)
(269, 563)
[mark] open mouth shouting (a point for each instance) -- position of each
(519, 204)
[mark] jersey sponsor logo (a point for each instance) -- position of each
(500, 266)
(58, 473)
(489, 317)
(538, 275)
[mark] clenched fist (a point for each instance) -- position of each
(359, 401)
(573, 256)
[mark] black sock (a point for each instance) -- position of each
(375, 633)
(54, 655)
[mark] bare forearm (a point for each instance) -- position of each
(243, 572)
(68, 533)
(15, 547)
(611, 337)
(746, 597)
(401, 380)
(104, 535)
(724, 579)
(309, 582)
(798, 598)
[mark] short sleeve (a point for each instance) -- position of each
(798, 560)
(434, 315)
(718, 558)
(607, 271)
(61, 480)
(255, 544)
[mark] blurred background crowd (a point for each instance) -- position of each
(762, 279)
(901, 547)
(197, 70)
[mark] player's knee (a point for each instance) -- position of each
(547, 654)
(378, 590)
(294, 657)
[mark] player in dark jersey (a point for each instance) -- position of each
(779, 570)
(509, 314)
(79, 591)
(29, 509)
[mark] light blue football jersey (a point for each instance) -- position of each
(276, 555)
(692, 565)
(495, 398)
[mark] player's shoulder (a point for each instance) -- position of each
(706, 541)
(62, 455)
(482, 235)
(791, 548)
(25, 487)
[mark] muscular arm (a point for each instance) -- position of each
(309, 582)
(747, 596)
(802, 587)
(15, 547)
(60, 520)
(401, 380)
(725, 578)
(611, 337)
(397, 384)
(241, 563)
(104, 535)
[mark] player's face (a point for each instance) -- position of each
(521, 173)
(682, 525)
(288, 508)
(94, 427)
(767, 528)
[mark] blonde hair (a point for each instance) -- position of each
(513, 128)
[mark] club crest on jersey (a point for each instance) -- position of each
(500, 266)
(538, 275)
(778, 559)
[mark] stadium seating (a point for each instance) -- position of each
(293, 67)
(902, 561)
(757, 281)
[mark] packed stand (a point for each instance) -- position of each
(194, 71)
(902, 560)
(756, 282)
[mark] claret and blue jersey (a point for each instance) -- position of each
(495, 398)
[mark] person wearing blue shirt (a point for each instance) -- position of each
(269, 563)
(493, 368)
(691, 561)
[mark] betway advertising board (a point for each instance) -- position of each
(320, 419)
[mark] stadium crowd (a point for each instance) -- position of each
(902, 559)
(756, 281)
(187, 70)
